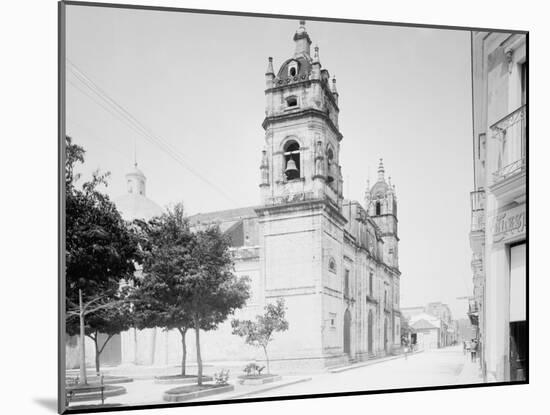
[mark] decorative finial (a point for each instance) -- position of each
(333, 86)
(381, 171)
(135, 153)
(316, 54)
(269, 69)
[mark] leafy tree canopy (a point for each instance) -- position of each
(101, 250)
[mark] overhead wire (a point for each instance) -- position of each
(117, 110)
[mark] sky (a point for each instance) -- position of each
(196, 82)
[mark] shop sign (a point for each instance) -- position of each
(509, 223)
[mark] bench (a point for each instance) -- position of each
(73, 388)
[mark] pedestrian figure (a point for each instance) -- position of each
(406, 350)
(464, 347)
(473, 350)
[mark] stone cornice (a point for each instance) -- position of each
(307, 83)
(323, 204)
(312, 112)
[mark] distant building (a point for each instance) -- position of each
(429, 329)
(433, 324)
(499, 226)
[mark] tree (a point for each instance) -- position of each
(111, 320)
(214, 291)
(163, 293)
(259, 333)
(100, 249)
(187, 280)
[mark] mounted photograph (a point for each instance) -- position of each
(261, 206)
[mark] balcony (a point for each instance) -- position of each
(477, 226)
(509, 178)
(473, 313)
(477, 200)
(371, 299)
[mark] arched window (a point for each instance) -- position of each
(378, 207)
(292, 101)
(292, 160)
(293, 69)
(332, 265)
(330, 166)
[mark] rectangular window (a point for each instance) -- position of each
(370, 284)
(346, 283)
(332, 320)
(523, 69)
(518, 283)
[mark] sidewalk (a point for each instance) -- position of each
(470, 373)
(371, 362)
(247, 391)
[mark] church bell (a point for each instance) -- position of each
(291, 171)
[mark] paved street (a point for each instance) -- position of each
(446, 366)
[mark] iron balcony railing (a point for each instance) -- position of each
(512, 134)
(477, 199)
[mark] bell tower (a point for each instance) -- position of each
(381, 206)
(300, 160)
(301, 225)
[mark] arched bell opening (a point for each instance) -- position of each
(292, 160)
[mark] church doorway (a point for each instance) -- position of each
(370, 340)
(347, 332)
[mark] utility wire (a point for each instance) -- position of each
(118, 111)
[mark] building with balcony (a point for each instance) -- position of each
(498, 201)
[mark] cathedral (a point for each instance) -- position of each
(334, 261)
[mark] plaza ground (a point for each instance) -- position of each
(447, 366)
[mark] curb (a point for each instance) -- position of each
(273, 387)
(261, 381)
(180, 397)
(180, 380)
(370, 362)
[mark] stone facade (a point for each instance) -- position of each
(499, 227)
(334, 261)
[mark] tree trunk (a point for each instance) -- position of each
(97, 352)
(266, 359)
(82, 377)
(184, 350)
(198, 346)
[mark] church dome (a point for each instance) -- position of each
(136, 172)
(135, 204)
(294, 69)
(380, 188)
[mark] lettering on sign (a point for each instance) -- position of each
(509, 223)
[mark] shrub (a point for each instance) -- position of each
(221, 377)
